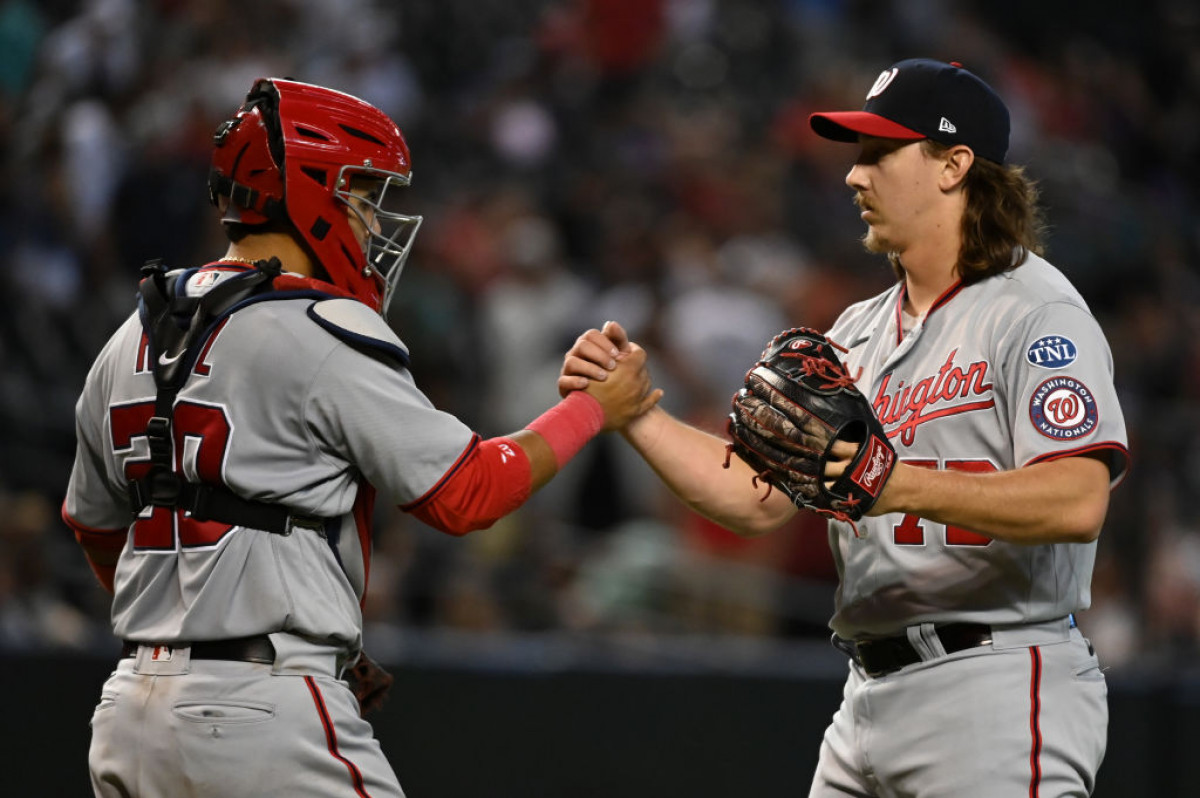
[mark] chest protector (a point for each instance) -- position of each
(176, 324)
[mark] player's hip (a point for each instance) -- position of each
(925, 643)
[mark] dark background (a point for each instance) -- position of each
(465, 733)
(576, 161)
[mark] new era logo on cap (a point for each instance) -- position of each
(917, 99)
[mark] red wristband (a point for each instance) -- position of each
(569, 425)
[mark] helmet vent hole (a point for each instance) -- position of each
(350, 259)
(310, 133)
(320, 229)
(362, 134)
(319, 175)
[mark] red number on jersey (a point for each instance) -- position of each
(201, 438)
(911, 531)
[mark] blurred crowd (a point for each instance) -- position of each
(647, 161)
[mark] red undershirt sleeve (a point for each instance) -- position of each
(492, 479)
(100, 546)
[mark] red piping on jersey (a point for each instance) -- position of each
(1120, 448)
(462, 458)
(946, 296)
(1035, 729)
(331, 738)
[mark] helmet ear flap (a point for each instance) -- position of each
(264, 97)
(248, 160)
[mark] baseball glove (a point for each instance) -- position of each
(369, 682)
(796, 402)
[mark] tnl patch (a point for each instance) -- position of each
(1064, 409)
(1052, 352)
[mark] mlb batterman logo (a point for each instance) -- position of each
(1062, 408)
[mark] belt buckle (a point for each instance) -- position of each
(309, 522)
(855, 650)
(865, 645)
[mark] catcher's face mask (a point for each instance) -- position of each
(386, 233)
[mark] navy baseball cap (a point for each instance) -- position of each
(924, 99)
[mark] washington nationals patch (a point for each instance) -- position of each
(1064, 409)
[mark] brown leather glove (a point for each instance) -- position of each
(369, 682)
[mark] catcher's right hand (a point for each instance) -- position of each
(369, 682)
(797, 403)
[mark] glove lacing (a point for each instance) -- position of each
(837, 515)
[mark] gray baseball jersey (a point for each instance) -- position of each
(279, 410)
(1000, 374)
(1006, 372)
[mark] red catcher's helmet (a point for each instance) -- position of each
(290, 154)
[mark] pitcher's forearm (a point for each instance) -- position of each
(1061, 501)
(691, 462)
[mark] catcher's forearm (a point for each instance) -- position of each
(691, 463)
(1061, 501)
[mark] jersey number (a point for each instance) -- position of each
(201, 438)
(911, 531)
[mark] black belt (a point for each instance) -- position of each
(882, 656)
(241, 649)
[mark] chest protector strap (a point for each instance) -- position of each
(175, 325)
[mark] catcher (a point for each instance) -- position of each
(232, 437)
(963, 442)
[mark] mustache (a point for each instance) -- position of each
(861, 202)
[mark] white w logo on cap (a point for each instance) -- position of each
(882, 82)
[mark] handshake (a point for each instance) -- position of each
(799, 422)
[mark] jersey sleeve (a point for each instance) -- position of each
(95, 506)
(1058, 379)
(95, 496)
(370, 410)
(91, 500)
